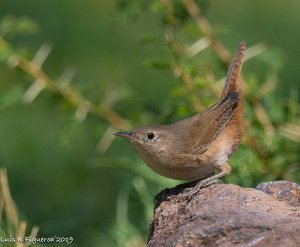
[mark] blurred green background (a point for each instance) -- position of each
(70, 178)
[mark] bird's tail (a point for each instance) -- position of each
(234, 71)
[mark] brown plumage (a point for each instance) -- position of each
(195, 147)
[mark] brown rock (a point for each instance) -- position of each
(282, 191)
(228, 215)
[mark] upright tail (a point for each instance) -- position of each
(234, 71)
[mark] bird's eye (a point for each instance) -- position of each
(150, 136)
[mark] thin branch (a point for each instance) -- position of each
(41, 55)
(67, 93)
(291, 131)
(8, 201)
(197, 47)
(106, 139)
(217, 46)
(262, 116)
(203, 24)
(21, 234)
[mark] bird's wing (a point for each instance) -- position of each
(210, 123)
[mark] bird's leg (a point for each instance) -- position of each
(225, 169)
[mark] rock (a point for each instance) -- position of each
(227, 215)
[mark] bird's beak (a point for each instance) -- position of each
(127, 135)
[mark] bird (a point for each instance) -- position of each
(198, 146)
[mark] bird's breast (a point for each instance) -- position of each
(175, 165)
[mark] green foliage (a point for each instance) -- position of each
(12, 97)
(56, 131)
(11, 26)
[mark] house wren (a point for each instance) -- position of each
(195, 147)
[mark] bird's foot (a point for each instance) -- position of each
(201, 184)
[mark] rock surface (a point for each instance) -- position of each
(228, 215)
